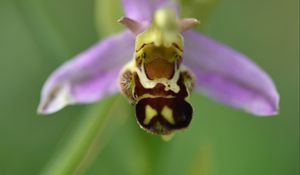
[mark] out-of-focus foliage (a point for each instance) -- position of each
(37, 36)
(106, 18)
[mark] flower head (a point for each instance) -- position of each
(220, 72)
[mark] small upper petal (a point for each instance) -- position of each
(187, 24)
(89, 76)
(143, 10)
(229, 77)
(135, 27)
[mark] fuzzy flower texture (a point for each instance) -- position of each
(220, 72)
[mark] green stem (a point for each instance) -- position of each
(85, 141)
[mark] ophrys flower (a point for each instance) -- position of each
(220, 72)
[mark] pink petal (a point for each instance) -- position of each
(89, 76)
(143, 10)
(229, 77)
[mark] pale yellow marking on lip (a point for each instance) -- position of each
(167, 113)
(149, 114)
(169, 84)
(167, 137)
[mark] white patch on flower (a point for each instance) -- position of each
(169, 84)
(58, 98)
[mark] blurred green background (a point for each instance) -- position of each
(103, 138)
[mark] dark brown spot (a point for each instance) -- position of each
(176, 45)
(181, 109)
(182, 114)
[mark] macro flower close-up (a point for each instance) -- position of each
(149, 87)
(221, 73)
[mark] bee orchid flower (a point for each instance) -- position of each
(220, 72)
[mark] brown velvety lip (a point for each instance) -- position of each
(159, 68)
